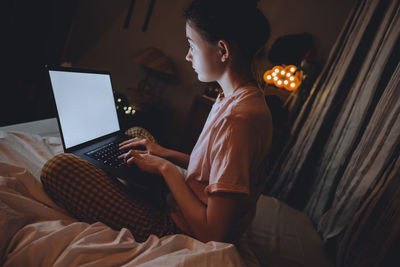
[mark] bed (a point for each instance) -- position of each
(34, 231)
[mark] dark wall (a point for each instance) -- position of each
(35, 35)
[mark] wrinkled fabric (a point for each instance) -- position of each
(35, 232)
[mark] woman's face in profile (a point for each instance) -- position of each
(204, 56)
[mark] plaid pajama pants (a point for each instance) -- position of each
(90, 195)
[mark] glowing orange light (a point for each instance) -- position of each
(288, 77)
(277, 69)
(268, 76)
(293, 84)
(291, 68)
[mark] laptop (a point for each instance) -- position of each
(89, 126)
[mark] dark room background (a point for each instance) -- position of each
(36, 32)
(91, 34)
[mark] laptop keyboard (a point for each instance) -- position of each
(108, 155)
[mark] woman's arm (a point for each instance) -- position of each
(209, 222)
(176, 157)
(179, 158)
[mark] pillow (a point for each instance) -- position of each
(283, 236)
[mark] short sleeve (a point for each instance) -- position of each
(231, 155)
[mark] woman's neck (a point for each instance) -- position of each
(231, 82)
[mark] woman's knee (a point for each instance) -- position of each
(54, 168)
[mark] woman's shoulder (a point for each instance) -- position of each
(246, 108)
(250, 102)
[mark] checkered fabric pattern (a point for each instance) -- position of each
(140, 133)
(90, 195)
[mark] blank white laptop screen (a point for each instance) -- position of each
(85, 105)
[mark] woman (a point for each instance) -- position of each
(226, 169)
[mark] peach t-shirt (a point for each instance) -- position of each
(231, 152)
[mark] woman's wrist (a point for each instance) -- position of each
(166, 168)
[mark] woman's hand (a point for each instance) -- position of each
(144, 160)
(143, 144)
(146, 146)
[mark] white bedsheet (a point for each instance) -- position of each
(30, 151)
(34, 231)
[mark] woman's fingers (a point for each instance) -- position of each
(141, 152)
(132, 143)
(123, 156)
(145, 162)
(128, 141)
(131, 154)
(132, 159)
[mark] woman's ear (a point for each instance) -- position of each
(224, 50)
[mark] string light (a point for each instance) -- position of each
(129, 110)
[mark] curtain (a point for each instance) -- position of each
(345, 138)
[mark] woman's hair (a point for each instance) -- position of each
(238, 21)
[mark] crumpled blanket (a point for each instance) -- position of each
(34, 231)
(30, 151)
